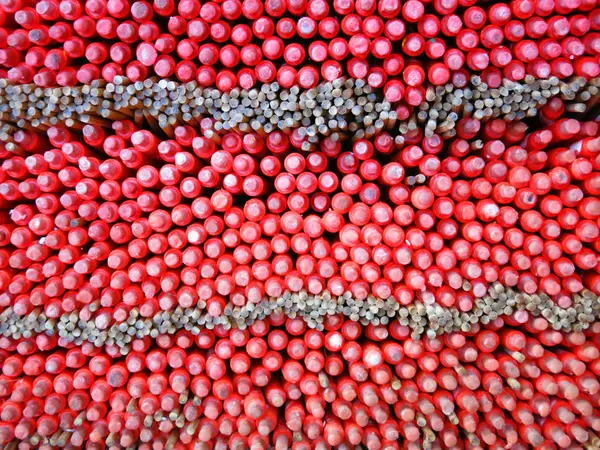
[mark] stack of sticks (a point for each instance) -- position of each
(381, 231)
(119, 329)
(244, 217)
(278, 384)
(332, 109)
(122, 244)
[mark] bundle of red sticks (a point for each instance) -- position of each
(299, 224)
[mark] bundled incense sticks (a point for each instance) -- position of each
(120, 330)
(330, 109)
(280, 384)
(255, 225)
